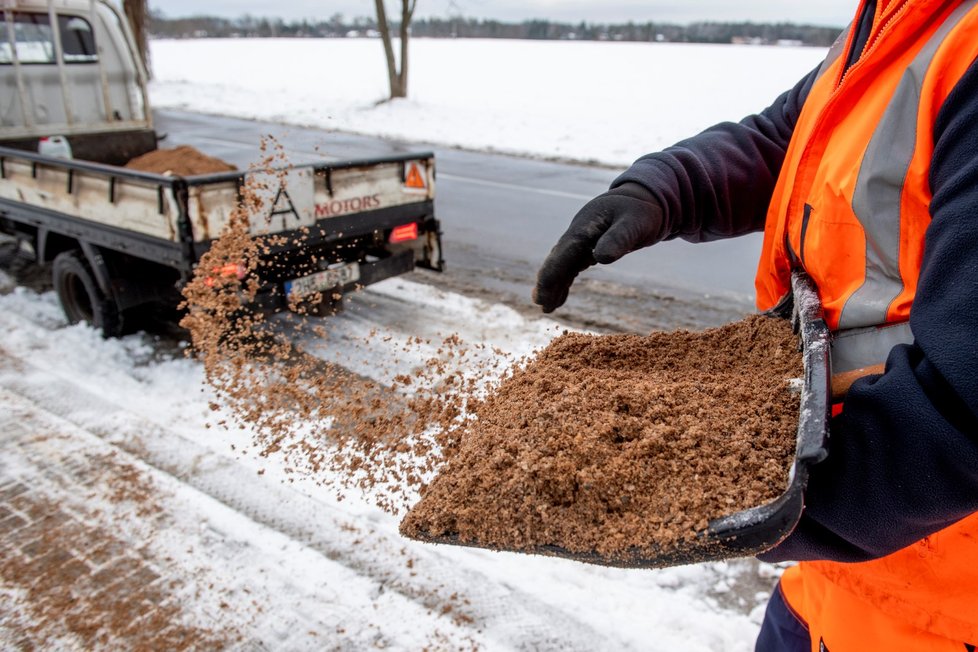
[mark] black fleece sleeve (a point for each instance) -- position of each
(718, 183)
(903, 459)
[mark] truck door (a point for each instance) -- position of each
(83, 83)
(76, 92)
(26, 58)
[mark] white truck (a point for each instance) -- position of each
(74, 108)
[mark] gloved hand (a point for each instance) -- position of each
(609, 226)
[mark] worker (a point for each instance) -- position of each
(864, 175)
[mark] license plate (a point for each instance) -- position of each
(327, 279)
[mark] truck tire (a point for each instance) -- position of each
(80, 296)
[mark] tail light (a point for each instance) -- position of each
(404, 233)
(231, 269)
(236, 270)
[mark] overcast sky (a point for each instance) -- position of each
(823, 12)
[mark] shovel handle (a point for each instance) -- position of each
(842, 381)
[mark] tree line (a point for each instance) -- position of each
(337, 26)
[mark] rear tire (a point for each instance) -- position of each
(80, 296)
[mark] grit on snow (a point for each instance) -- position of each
(339, 570)
(587, 101)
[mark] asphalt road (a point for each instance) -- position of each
(500, 216)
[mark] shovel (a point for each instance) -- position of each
(754, 530)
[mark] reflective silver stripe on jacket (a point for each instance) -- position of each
(835, 51)
(865, 347)
(879, 186)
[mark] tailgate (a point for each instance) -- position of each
(329, 199)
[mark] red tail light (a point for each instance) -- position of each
(404, 232)
(231, 269)
(237, 270)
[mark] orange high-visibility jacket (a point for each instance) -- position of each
(851, 203)
(852, 206)
(848, 177)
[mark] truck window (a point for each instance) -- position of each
(33, 39)
(77, 39)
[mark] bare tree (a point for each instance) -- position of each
(398, 77)
(137, 14)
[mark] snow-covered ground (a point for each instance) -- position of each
(589, 101)
(340, 569)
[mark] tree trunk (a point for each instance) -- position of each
(385, 35)
(136, 14)
(407, 10)
(397, 78)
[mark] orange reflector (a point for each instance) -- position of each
(414, 178)
(230, 269)
(404, 232)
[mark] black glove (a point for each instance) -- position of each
(609, 226)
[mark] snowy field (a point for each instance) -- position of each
(339, 569)
(587, 101)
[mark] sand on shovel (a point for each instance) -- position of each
(622, 443)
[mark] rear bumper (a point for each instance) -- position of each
(382, 269)
(272, 298)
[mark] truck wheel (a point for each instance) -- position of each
(80, 296)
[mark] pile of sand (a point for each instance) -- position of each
(619, 443)
(181, 161)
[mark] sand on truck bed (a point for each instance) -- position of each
(182, 161)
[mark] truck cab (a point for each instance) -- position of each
(69, 70)
(121, 240)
